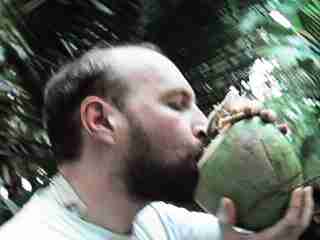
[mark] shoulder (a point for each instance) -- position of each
(32, 221)
(17, 229)
(177, 221)
(24, 222)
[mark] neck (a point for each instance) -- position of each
(105, 196)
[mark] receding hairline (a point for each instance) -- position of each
(125, 61)
(113, 57)
(109, 54)
(120, 58)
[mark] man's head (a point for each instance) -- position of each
(90, 75)
(134, 106)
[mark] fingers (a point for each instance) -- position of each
(255, 108)
(295, 207)
(308, 205)
(296, 220)
(227, 219)
(231, 211)
(268, 115)
(301, 208)
(300, 211)
(227, 212)
(244, 109)
(252, 108)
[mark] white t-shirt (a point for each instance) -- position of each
(162, 221)
(55, 214)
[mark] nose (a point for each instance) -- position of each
(199, 128)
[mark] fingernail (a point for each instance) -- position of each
(272, 116)
(264, 115)
(308, 189)
(299, 189)
(284, 129)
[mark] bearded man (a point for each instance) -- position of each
(127, 135)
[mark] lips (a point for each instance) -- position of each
(205, 144)
(204, 157)
(198, 155)
(210, 149)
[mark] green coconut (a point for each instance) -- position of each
(311, 161)
(254, 165)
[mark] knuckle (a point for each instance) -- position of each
(292, 223)
(294, 227)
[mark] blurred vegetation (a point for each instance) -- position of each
(269, 50)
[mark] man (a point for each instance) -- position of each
(126, 130)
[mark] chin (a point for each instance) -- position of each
(161, 182)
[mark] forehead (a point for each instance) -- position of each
(147, 70)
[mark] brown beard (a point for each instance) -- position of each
(150, 178)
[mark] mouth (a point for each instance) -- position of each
(205, 142)
(209, 149)
(202, 158)
(199, 154)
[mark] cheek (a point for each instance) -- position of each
(167, 130)
(170, 132)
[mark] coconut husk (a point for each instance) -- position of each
(253, 164)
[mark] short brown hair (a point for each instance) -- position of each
(64, 92)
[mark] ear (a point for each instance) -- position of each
(98, 119)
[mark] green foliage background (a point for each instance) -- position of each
(215, 43)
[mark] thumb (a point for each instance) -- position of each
(227, 212)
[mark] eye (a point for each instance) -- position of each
(176, 105)
(179, 104)
(179, 101)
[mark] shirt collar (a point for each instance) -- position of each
(66, 196)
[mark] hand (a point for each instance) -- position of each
(290, 227)
(243, 109)
(254, 108)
